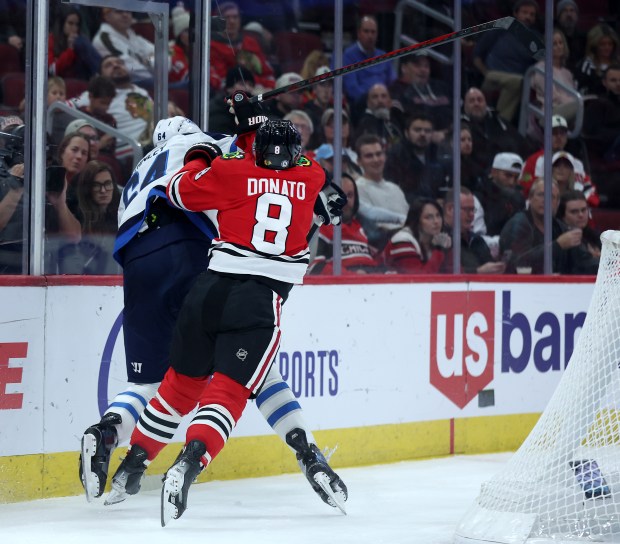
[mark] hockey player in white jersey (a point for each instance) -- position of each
(162, 250)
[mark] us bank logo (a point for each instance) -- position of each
(464, 336)
(462, 343)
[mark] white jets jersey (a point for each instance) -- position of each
(152, 174)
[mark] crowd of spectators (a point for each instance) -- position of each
(396, 135)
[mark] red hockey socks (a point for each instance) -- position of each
(176, 397)
(220, 408)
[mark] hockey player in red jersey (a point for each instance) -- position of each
(229, 326)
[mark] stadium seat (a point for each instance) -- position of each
(181, 98)
(11, 60)
(13, 88)
(145, 29)
(292, 48)
(75, 87)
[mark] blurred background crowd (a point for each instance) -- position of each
(396, 132)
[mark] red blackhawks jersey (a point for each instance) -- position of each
(263, 216)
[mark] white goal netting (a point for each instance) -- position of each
(563, 484)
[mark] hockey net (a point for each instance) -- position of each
(563, 484)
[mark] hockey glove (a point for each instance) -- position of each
(329, 204)
(206, 151)
(248, 116)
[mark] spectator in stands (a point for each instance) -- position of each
(141, 107)
(357, 84)
(416, 90)
(72, 155)
(357, 255)
(280, 105)
(471, 171)
(101, 94)
(238, 78)
(327, 132)
(414, 163)
(534, 164)
(70, 53)
(56, 90)
(523, 236)
(602, 50)
(116, 37)
(314, 60)
(233, 47)
(375, 190)
(13, 23)
(502, 59)
(476, 257)
(420, 246)
(574, 211)
(304, 125)
(98, 199)
(500, 194)
(567, 20)
(380, 117)
(601, 124)
(114, 68)
(324, 155)
(491, 134)
(180, 47)
(92, 135)
(563, 102)
(321, 98)
(273, 16)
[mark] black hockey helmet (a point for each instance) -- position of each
(277, 145)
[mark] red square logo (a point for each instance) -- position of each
(462, 343)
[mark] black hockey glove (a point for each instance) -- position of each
(248, 116)
(329, 204)
(203, 150)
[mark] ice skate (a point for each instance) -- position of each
(177, 480)
(127, 478)
(325, 482)
(98, 442)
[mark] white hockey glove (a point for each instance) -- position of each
(329, 204)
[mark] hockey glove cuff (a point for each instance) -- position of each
(206, 151)
(248, 115)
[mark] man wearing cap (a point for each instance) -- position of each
(284, 103)
(534, 166)
(567, 20)
(500, 194)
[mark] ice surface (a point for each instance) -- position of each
(411, 502)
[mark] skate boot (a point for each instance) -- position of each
(177, 480)
(98, 442)
(325, 482)
(127, 478)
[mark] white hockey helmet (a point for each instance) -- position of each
(173, 126)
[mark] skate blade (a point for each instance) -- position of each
(115, 496)
(169, 491)
(323, 480)
(90, 480)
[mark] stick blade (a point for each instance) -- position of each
(530, 39)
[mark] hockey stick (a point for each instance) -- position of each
(525, 36)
